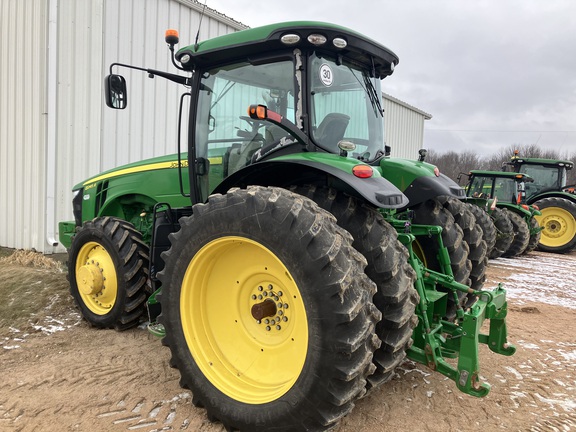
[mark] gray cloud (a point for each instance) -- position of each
(492, 73)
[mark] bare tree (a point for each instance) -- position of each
(452, 163)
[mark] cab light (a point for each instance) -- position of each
(259, 112)
(362, 171)
(171, 37)
(317, 39)
(290, 39)
(534, 206)
(525, 207)
(436, 172)
(339, 42)
(519, 176)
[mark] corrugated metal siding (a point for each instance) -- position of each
(92, 35)
(23, 26)
(134, 34)
(50, 143)
(404, 129)
(79, 94)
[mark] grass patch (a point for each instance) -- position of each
(32, 287)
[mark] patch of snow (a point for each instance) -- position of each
(555, 287)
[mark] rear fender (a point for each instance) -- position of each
(516, 209)
(552, 194)
(419, 181)
(376, 190)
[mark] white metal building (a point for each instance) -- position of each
(55, 130)
(404, 127)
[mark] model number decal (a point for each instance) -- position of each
(183, 164)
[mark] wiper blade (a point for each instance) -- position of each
(373, 95)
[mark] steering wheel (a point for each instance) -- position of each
(255, 124)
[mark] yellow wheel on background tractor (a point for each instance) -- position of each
(268, 312)
(108, 273)
(558, 221)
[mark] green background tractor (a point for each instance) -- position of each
(285, 272)
(494, 190)
(555, 199)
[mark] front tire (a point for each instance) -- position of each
(559, 222)
(108, 273)
(304, 370)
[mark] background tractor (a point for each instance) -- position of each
(285, 273)
(493, 190)
(555, 199)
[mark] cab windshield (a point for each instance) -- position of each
(346, 105)
(505, 189)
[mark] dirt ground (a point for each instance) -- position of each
(60, 375)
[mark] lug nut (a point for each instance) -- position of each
(260, 288)
(280, 293)
(285, 318)
(278, 327)
(270, 287)
(267, 328)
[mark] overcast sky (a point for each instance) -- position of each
(491, 73)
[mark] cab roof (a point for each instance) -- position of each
(539, 161)
(501, 174)
(267, 39)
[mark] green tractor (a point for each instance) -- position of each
(285, 273)
(503, 195)
(555, 199)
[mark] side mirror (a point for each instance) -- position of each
(116, 94)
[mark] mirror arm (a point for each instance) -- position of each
(153, 72)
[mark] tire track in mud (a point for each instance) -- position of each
(85, 379)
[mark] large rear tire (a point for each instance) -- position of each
(486, 225)
(521, 235)
(464, 217)
(504, 233)
(266, 254)
(559, 222)
(432, 212)
(387, 266)
(108, 273)
(534, 236)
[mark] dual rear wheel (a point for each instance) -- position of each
(270, 313)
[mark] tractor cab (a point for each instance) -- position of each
(505, 187)
(269, 92)
(548, 174)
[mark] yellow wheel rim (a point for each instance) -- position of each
(96, 278)
(559, 226)
(419, 252)
(244, 320)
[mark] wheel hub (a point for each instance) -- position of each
(90, 280)
(270, 309)
(554, 227)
